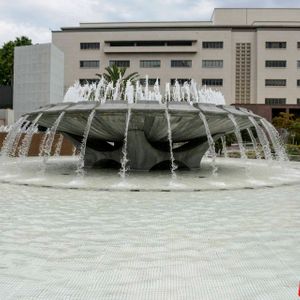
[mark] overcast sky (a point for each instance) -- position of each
(36, 18)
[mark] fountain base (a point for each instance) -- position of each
(142, 154)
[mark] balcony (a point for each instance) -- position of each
(178, 46)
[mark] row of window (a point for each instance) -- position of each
(279, 45)
(150, 43)
(205, 44)
(278, 101)
(207, 63)
(205, 81)
(181, 81)
(152, 63)
(89, 46)
(278, 63)
(275, 101)
(278, 82)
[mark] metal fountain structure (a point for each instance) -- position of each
(140, 129)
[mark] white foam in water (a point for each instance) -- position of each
(104, 91)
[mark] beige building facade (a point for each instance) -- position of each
(251, 55)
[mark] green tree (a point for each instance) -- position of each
(294, 131)
(7, 59)
(114, 73)
(291, 124)
(284, 120)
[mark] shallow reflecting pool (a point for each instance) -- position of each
(234, 236)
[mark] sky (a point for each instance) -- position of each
(36, 18)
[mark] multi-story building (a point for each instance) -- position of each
(251, 55)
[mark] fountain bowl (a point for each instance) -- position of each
(148, 131)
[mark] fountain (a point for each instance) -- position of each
(137, 128)
(146, 236)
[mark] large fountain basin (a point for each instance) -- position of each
(109, 121)
(148, 131)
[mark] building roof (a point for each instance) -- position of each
(221, 18)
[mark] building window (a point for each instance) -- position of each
(151, 81)
(298, 64)
(212, 63)
(275, 45)
(121, 44)
(275, 63)
(150, 43)
(89, 64)
(298, 45)
(298, 82)
(275, 82)
(181, 63)
(181, 81)
(120, 63)
(298, 101)
(179, 43)
(89, 46)
(149, 63)
(275, 101)
(84, 81)
(212, 82)
(212, 45)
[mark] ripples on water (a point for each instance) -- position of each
(79, 244)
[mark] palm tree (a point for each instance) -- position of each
(114, 73)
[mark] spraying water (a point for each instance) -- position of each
(124, 160)
(58, 145)
(238, 135)
(43, 142)
(255, 147)
(224, 146)
(18, 138)
(11, 136)
(173, 165)
(276, 141)
(26, 142)
(262, 139)
(80, 163)
(108, 91)
(211, 143)
(49, 141)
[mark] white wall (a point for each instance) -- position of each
(6, 117)
(38, 77)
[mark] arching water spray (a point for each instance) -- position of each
(211, 143)
(262, 139)
(58, 145)
(26, 142)
(80, 163)
(255, 147)
(224, 146)
(18, 138)
(11, 137)
(276, 141)
(173, 165)
(238, 135)
(43, 142)
(124, 160)
(49, 141)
